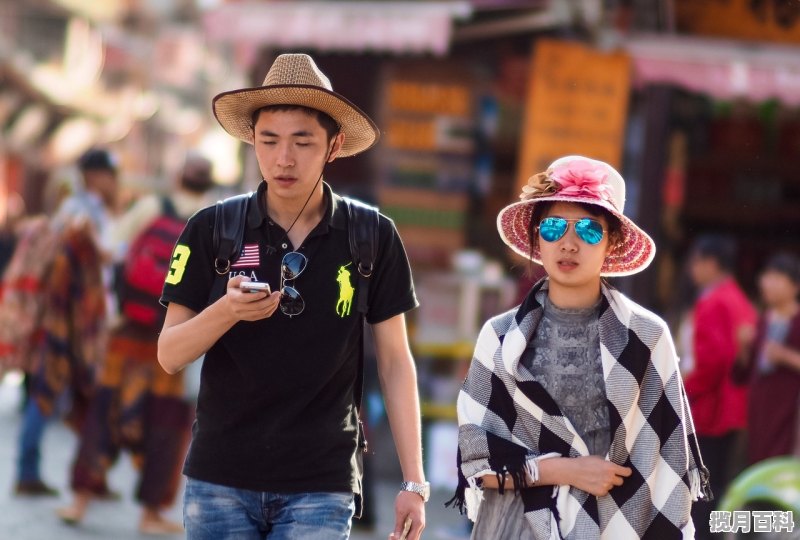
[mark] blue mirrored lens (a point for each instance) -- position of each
(552, 228)
(589, 230)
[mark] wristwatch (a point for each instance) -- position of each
(423, 490)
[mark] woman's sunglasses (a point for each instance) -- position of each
(292, 265)
(552, 229)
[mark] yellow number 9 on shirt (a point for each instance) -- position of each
(178, 265)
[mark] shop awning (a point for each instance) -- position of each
(723, 69)
(396, 27)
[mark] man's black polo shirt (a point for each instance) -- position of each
(275, 410)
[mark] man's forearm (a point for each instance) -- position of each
(399, 387)
(188, 336)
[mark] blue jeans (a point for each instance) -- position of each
(30, 441)
(214, 512)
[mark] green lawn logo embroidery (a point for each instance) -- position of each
(346, 291)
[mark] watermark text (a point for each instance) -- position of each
(751, 521)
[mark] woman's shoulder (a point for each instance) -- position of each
(501, 323)
(630, 312)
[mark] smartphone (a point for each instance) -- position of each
(255, 286)
(406, 528)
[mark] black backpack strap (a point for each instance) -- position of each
(230, 217)
(362, 227)
(363, 231)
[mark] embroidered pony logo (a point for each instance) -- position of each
(346, 291)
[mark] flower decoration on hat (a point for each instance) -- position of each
(539, 185)
(573, 179)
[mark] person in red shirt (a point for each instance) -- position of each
(724, 322)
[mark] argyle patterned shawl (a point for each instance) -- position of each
(506, 416)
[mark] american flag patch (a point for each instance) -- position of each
(249, 257)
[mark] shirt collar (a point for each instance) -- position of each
(335, 210)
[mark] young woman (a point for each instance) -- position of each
(775, 362)
(573, 421)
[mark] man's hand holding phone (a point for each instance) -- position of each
(251, 300)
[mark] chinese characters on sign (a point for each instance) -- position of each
(755, 521)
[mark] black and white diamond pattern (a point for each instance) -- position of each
(505, 417)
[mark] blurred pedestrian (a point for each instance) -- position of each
(774, 364)
(276, 430)
(95, 198)
(572, 418)
(10, 218)
(136, 404)
(71, 336)
(190, 192)
(723, 324)
(15, 280)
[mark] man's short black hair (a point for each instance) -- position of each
(330, 125)
(720, 247)
(97, 159)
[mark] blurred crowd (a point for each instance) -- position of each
(81, 321)
(740, 361)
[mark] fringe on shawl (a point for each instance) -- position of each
(514, 466)
(459, 497)
(700, 484)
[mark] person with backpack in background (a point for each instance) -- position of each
(276, 437)
(136, 404)
(64, 316)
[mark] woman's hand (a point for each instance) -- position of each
(595, 475)
(250, 306)
(591, 474)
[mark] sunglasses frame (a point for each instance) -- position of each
(290, 288)
(574, 222)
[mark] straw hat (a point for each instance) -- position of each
(294, 79)
(580, 180)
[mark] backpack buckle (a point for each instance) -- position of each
(219, 267)
(365, 270)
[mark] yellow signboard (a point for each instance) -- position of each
(577, 103)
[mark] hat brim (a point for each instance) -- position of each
(633, 254)
(234, 111)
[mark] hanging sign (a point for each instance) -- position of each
(577, 102)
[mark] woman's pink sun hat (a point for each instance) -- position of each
(580, 180)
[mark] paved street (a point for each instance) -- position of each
(34, 519)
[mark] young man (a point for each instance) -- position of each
(274, 446)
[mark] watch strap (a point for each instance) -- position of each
(423, 490)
